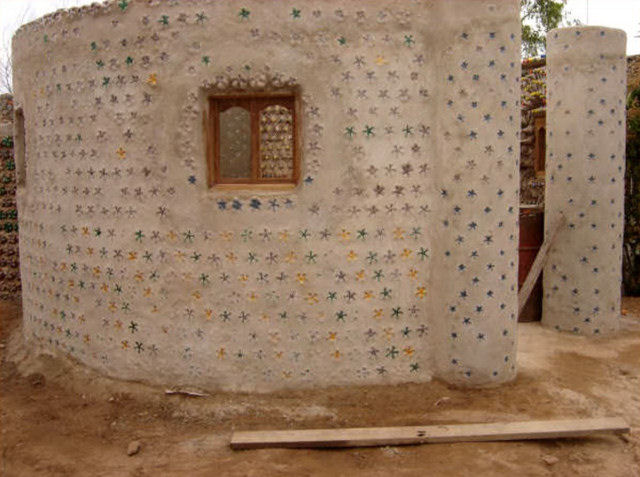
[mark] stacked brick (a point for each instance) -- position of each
(9, 257)
(534, 105)
(6, 108)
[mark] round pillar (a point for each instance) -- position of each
(586, 85)
(475, 234)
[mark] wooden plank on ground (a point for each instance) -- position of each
(538, 263)
(393, 436)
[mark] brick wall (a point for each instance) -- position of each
(9, 261)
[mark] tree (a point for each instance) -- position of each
(23, 15)
(631, 247)
(6, 70)
(538, 17)
(6, 73)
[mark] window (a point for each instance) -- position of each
(539, 144)
(252, 139)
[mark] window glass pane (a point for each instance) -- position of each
(235, 143)
(276, 143)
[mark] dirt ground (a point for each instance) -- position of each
(58, 418)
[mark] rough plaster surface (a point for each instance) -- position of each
(393, 260)
(586, 83)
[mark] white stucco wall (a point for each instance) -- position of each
(586, 84)
(394, 260)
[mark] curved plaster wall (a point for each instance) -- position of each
(392, 261)
(586, 84)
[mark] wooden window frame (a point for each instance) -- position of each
(539, 143)
(254, 102)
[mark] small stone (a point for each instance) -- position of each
(550, 459)
(134, 448)
(390, 451)
(36, 379)
(442, 400)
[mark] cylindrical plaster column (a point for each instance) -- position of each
(586, 84)
(475, 233)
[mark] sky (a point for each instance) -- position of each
(623, 14)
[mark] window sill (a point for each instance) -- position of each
(254, 187)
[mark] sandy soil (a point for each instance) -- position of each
(58, 418)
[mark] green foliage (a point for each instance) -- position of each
(6, 141)
(538, 17)
(631, 255)
(633, 99)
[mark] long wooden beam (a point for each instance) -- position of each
(393, 436)
(538, 263)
